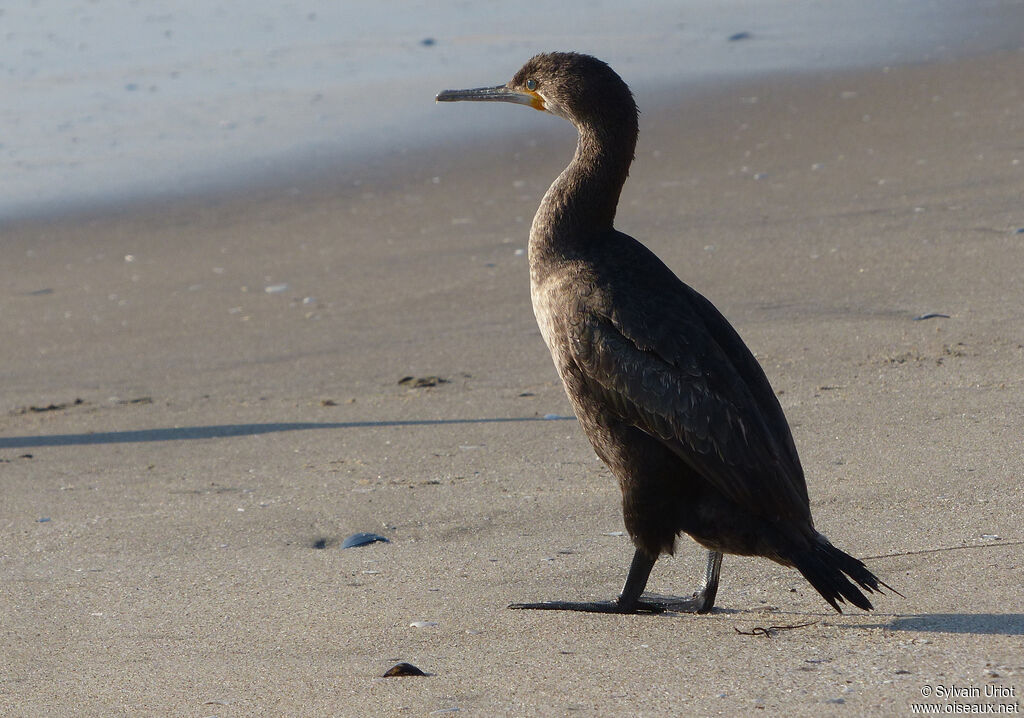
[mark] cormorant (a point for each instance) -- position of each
(670, 397)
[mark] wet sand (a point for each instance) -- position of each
(196, 395)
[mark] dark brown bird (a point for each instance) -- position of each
(670, 397)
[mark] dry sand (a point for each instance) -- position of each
(194, 435)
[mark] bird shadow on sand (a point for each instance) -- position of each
(980, 624)
(227, 431)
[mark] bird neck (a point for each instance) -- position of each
(583, 199)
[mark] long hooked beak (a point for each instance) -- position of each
(501, 93)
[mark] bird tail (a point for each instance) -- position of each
(827, 569)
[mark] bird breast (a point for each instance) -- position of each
(544, 295)
(561, 293)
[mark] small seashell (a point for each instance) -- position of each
(930, 315)
(403, 669)
(362, 539)
(422, 624)
(417, 382)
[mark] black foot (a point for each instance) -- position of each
(697, 603)
(594, 606)
(631, 600)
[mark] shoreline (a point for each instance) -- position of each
(308, 163)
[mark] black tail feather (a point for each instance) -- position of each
(824, 566)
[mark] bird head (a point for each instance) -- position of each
(576, 87)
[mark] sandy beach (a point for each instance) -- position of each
(197, 395)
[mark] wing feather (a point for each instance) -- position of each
(682, 387)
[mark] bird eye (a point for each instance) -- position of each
(531, 84)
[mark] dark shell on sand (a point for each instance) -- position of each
(403, 669)
(362, 539)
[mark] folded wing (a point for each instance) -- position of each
(692, 383)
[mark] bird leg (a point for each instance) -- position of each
(630, 601)
(704, 599)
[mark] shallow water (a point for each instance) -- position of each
(105, 102)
